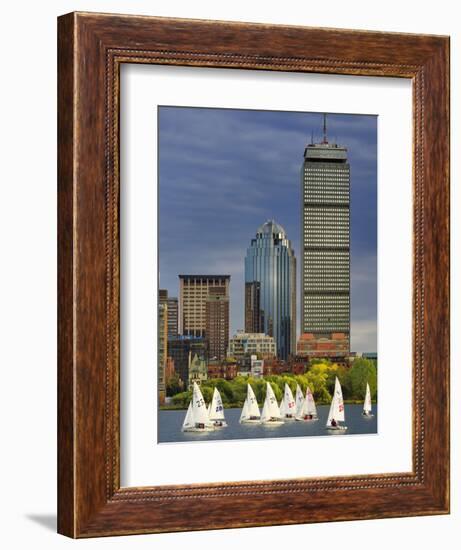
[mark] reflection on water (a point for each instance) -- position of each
(170, 423)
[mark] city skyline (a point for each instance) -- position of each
(225, 172)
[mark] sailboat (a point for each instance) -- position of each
(196, 419)
(367, 404)
(309, 410)
(336, 413)
(299, 402)
(288, 404)
(250, 412)
(270, 415)
(216, 410)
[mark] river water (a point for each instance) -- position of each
(170, 423)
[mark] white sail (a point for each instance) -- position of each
(273, 405)
(265, 414)
(282, 406)
(367, 402)
(288, 407)
(337, 405)
(199, 410)
(250, 407)
(189, 419)
(309, 408)
(299, 401)
(244, 415)
(253, 409)
(209, 410)
(216, 407)
(270, 405)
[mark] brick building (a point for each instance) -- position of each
(334, 347)
(221, 369)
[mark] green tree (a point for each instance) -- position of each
(207, 392)
(174, 386)
(320, 377)
(226, 390)
(361, 372)
(182, 399)
(275, 382)
(259, 387)
(239, 390)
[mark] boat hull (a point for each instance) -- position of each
(250, 421)
(198, 430)
(273, 423)
(218, 424)
(313, 419)
(337, 428)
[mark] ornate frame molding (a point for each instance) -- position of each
(91, 49)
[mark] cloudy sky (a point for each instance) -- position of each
(223, 172)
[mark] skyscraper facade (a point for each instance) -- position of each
(270, 265)
(172, 305)
(217, 322)
(193, 293)
(325, 242)
(162, 350)
(254, 320)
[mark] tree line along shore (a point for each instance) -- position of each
(319, 376)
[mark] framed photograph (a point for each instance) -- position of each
(253, 259)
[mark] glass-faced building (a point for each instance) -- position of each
(270, 277)
(325, 245)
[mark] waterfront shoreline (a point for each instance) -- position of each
(239, 406)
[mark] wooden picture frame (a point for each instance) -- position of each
(91, 49)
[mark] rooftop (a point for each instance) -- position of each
(204, 276)
(243, 334)
(325, 150)
(271, 227)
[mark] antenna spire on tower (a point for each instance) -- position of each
(325, 140)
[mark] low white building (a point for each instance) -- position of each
(244, 344)
(257, 367)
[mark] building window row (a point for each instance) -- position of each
(330, 242)
(330, 213)
(311, 171)
(330, 199)
(325, 229)
(326, 190)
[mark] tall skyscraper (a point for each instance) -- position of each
(217, 322)
(172, 305)
(325, 245)
(162, 351)
(173, 317)
(270, 265)
(193, 293)
(254, 318)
